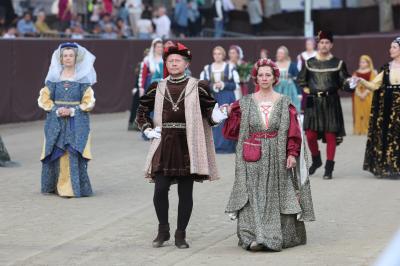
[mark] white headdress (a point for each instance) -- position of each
(153, 64)
(84, 69)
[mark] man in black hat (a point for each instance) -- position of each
(321, 78)
(182, 148)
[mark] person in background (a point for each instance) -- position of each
(235, 54)
(288, 70)
(162, 23)
(11, 33)
(194, 18)
(145, 26)
(106, 20)
(123, 31)
(65, 8)
(135, 9)
(264, 53)
(224, 81)
(382, 153)
(109, 32)
(42, 27)
(310, 52)
(181, 18)
(136, 93)
(362, 97)
(307, 54)
(321, 78)
(254, 10)
(26, 27)
(218, 16)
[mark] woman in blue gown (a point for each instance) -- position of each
(289, 72)
(67, 98)
(224, 81)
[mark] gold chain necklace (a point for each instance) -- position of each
(175, 107)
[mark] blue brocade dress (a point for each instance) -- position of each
(66, 149)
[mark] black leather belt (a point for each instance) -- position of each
(323, 93)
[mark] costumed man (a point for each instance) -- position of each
(182, 148)
(321, 79)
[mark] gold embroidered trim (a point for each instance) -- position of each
(67, 103)
(325, 69)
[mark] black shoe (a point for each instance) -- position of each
(180, 241)
(328, 169)
(162, 236)
(316, 163)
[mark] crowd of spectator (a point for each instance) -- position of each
(108, 19)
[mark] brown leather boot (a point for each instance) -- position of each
(162, 236)
(180, 241)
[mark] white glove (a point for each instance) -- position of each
(232, 215)
(353, 82)
(217, 115)
(153, 133)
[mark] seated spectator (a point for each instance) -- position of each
(76, 23)
(11, 33)
(123, 30)
(96, 29)
(77, 32)
(162, 23)
(26, 27)
(68, 33)
(3, 28)
(106, 20)
(144, 26)
(42, 27)
(109, 32)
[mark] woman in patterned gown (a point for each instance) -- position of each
(382, 155)
(271, 197)
(67, 98)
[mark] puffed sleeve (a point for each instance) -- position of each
(375, 84)
(232, 124)
(88, 101)
(294, 133)
(44, 101)
(344, 78)
(207, 101)
(302, 77)
(146, 106)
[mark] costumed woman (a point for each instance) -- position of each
(224, 81)
(67, 98)
(182, 148)
(382, 155)
(302, 58)
(362, 97)
(243, 68)
(137, 92)
(271, 195)
(152, 69)
(289, 72)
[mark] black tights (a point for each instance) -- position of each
(161, 203)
